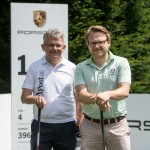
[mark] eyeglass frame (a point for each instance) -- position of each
(52, 45)
(99, 43)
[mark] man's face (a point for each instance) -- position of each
(98, 44)
(53, 47)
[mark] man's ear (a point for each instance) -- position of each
(64, 46)
(42, 45)
(109, 42)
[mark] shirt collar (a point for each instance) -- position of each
(44, 61)
(90, 60)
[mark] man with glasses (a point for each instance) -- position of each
(102, 84)
(49, 86)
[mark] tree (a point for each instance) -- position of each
(5, 49)
(128, 22)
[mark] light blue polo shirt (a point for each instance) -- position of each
(96, 79)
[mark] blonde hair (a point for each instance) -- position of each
(97, 28)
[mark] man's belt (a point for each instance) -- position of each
(106, 121)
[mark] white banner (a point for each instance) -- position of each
(138, 106)
(5, 125)
(138, 117)
(28, 24)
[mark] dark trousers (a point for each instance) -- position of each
(59, 136)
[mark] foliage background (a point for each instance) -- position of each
(127, 20)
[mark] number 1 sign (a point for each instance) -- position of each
(22, 61)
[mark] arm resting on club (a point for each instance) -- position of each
(28, 98)
(121, 92)
(83, 95)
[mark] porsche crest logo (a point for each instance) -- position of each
(39, 18)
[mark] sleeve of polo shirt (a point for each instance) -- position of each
(124, 71)
(78, 76)
(29, 79)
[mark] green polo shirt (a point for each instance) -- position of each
(97, 80)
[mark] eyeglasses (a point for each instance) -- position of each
(53, 45)
(99, 43)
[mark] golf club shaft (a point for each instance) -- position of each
(102, 126)
(38, 131)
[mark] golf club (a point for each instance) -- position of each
(102, 126)
(38, 130)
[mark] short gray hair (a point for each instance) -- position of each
(53, 33)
